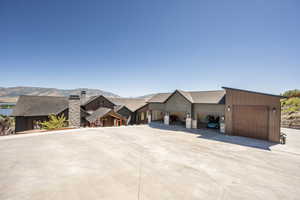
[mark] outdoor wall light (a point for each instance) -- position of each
(228, 108)
(274, 110)
(188, 115)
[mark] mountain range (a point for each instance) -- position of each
(11, 94)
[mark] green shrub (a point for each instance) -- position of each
(55, 122)
(291, 105)
(292, 93)
(294, 101)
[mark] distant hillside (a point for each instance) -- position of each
(148, 96)
(12, 93)
(290, 106)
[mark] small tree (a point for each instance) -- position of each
(54, 122)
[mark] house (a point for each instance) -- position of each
(242, 112)
(96, 111)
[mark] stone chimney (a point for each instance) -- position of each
(83, 97)
(74, 111)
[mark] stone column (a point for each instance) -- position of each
(166, 118)
(194, 123)
(149, 116)
(222, 124)
(74, 111)
(188, 121)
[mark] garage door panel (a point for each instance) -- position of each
(250, 121)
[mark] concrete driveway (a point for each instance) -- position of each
(142, 162)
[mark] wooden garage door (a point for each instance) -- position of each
(250, 121)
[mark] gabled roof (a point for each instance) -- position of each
(187, 95)
(101, 112)
(131, 103)
(214, 97)
(94, 98)
(40, 105)
(119, 107)
(210, 97)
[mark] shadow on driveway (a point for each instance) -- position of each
(215, 135)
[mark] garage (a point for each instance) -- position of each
(252, 114)
(242, 112)
(177, 118)
(250, 121)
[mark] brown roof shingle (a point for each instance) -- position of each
(159, 98)
(131, 103)
(214, 97)
(100, 112)
(39, 105)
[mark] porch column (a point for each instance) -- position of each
(188, 121)
(166, 118)
(194, 123)
(222, 125)
(149, 116)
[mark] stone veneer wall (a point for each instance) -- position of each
(290, 120)
(74, 111)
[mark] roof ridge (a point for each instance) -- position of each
(24, 95)
(125, 98)
(208, 91)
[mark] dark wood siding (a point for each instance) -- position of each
(138, 115)
(272, 104)
(125, 112)
(21, 124)
(99, 102)
(108, 121)
(250, 121)
(26, 123)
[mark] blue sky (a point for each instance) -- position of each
(137, 47)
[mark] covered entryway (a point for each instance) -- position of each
(157, 116)
(105, 117)
(250, 121)
(177, 118)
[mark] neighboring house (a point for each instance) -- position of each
(245, 113)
